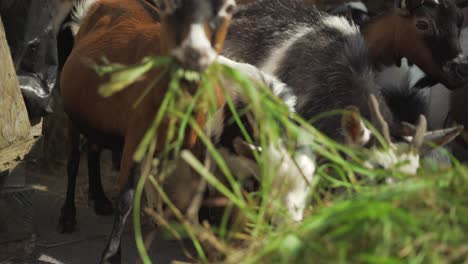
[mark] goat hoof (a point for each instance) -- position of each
(103, 206)
(67, 220)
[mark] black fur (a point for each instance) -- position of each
(65, 42)
(406, 103)
(263, 25)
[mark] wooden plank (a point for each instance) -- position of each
(14, 121)
(11, 155)
(14, 153)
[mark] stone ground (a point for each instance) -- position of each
(87, 242)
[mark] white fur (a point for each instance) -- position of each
(293, 175)
(198, 41)
(366, 136)
(292, 178)
(406, 162)
(393, 74)
(341, 24)
(277, 55)
(294, 172)
(275, 85)
(79, 12)
(59, 9)
(296, 199)
(215, 125)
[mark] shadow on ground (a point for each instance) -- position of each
(85, 245)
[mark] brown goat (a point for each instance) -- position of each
(126, 31)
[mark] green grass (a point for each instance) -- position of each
(417, 219)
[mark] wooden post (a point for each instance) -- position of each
(16, 225)
(14, 121)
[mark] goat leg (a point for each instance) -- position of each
(102, 205)
(67, 219)
(112, 253)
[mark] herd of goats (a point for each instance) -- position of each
(315, 61)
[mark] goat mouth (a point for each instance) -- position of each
(190, 85)
(192, 66)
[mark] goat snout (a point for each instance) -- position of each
(197, 59)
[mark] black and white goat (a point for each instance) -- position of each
(325, 60)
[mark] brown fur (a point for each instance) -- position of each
(393, 37)
(124, 32)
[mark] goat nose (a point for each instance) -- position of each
(196, 59)
(193, 54)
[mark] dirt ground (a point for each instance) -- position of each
(87, 242)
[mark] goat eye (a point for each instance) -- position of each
(230, 9)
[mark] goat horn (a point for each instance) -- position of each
(378, 119)
(419, 134)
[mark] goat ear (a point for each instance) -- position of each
(439, 138)
(244, 149)
(169, 6)
(354, 130)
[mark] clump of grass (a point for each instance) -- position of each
(420, 219)
(417, 219)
